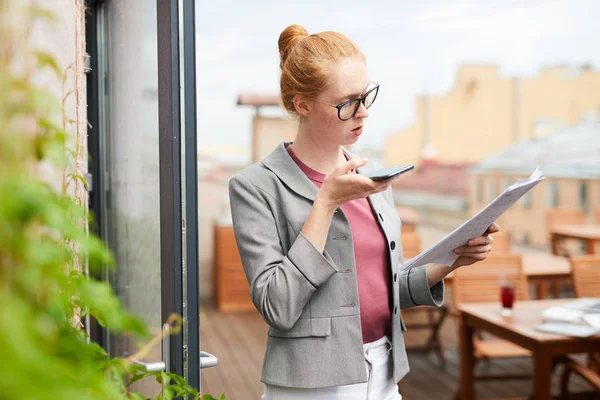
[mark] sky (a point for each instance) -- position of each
(412, 48)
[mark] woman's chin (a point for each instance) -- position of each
(353, 139)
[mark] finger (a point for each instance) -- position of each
(493, 228)
(351, 164)
(384, 186)
(377, 186)
(478, 241)
(476, 256)
(474, 249)
(382, 189)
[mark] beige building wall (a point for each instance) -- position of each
(404, 148)
(485, 113)
(268, 132)
(527, 219)
(63, 39)
(558, 93)
(473, 119)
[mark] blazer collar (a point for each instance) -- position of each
(286, 169)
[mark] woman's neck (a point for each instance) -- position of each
(320, 155)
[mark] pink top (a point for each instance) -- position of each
(372, 263)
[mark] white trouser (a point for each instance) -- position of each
(380, 385)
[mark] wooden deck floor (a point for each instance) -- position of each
(239, 340)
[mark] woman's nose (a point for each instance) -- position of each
(362, 111)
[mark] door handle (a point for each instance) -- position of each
(207, 360)
(152, 366)
(166, 354)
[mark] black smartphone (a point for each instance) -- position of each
(383, 174)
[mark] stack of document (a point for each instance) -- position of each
(443, 251)
(580, 318)
(563, 314)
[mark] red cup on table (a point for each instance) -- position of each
(507, 298)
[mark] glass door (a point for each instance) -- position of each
(142, 107)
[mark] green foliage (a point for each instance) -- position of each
(44, 291)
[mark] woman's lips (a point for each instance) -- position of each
(357, 131)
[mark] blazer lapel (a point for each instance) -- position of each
(286, 169)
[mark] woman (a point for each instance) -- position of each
(320, 243)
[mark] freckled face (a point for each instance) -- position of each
(349, 79)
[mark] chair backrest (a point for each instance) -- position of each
(564, 216)
(586, 275)
(480, 282)
(411, 244)
(501, 241)
(408, 228)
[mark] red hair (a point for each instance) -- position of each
(305, 61)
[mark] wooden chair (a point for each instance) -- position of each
(564, 216)
(572, 366)
(586, 275)
(435, 316)
(232, 292)
(411, 244)
(586, 279)
(480, 283)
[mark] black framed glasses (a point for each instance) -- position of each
(349, 108)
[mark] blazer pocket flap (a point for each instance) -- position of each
(319, 327)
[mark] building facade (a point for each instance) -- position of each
(485, 112)
(570, 160)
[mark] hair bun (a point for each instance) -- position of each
(290, 35)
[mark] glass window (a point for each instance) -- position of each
(130, 64)
(492, 191)
(526, 201)
(583, 196)
(507, 182)
(553, 196)
(479, 189)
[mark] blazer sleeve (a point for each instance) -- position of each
(414, 286)
(280, 284)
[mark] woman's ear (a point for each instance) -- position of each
(303, 105)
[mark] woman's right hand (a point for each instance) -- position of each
(339, 186)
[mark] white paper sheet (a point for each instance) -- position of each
(593, 320)
(443, 251)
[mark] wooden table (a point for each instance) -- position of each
(540, 269)
(589, 234)
(518, 329)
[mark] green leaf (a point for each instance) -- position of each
(165, 379)
(137, 377)
(43, 101)
(166, 394)
(222, 396)
(136, 396)
(45, 59)
(107, 308)
(42, 13)
(77, 177)
(178, 379)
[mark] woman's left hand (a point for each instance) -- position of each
(477, 249)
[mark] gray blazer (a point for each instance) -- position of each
(310, 299)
